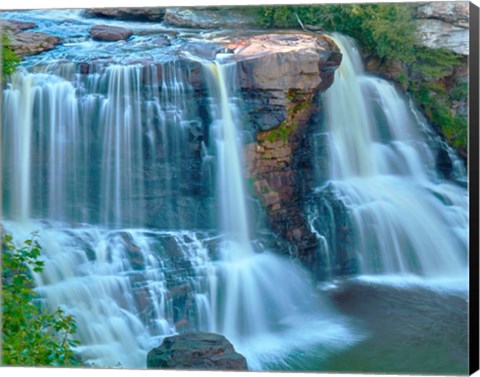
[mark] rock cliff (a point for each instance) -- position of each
(281, 74)
(444, 25)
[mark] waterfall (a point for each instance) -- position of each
(397, 214)
(104, 165)
(262, 299)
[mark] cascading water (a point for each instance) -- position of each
(382, 191)
(248, 307)
(103, 160)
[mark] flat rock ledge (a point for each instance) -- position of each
(196, 351)
(286, 61)
(25, 43)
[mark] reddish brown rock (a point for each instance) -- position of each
(108, 33)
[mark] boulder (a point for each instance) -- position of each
(130, 14)
(196, 351)
(108, 33)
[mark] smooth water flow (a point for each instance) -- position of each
(263, 299)
(131, 171)
(93, 153)
(402, 217)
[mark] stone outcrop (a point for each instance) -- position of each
(280, 75)
(444, 25)
(108, 33)
(196, 351)
(25, 43)
(129, 14)
(276, 67)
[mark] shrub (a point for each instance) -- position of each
(31, 335)
(9, 59)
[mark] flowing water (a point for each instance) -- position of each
(135, 186)
(400, 216)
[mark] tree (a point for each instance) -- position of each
(31, 335)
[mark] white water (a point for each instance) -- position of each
(404, 218)
(75, 165)
(266, 305)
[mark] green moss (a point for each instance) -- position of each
(282, 132)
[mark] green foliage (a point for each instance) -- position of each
(433, 64)
(459, 92)
(432, 69)
(385, 29)
(31, 336)
(9, 59)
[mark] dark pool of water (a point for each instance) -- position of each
(408, 329)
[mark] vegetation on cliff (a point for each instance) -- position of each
(387, 32)
(31, 335)
(9, 59)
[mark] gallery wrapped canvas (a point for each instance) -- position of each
(286, 188)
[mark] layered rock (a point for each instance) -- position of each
(130, 14)
(280, 75)
(196, 351)
(25, 43)
(444, 25)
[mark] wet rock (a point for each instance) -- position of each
(196, 351)
(129, 14)
(25, 43)
(108, 33)
(16, 26)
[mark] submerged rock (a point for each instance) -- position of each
(196, 351)
(109, 33)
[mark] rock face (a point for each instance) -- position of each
(25, 43)
(130, 14)
(196, 351)
(280, 75)
(444, 25)
(107, 33)
(275, 68)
